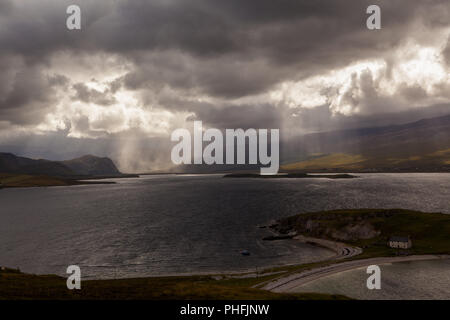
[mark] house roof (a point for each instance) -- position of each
(399, 239)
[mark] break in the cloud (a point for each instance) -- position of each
(138, 69)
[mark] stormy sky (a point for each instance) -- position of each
(138, 69)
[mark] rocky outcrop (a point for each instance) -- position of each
(357, 231)
(334, 226)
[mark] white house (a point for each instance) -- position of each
(400, 242)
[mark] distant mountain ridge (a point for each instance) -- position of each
(420, 146)
(84, 166)
(92, 166)
(423, 145)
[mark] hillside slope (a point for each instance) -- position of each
(10, 163)
(420, 146)
(93, 166)
(84, 166)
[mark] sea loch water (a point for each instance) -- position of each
(171, 224)
(423, 280)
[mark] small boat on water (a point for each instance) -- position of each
(245, 252)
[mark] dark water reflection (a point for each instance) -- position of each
(428, 280)
(180, 224)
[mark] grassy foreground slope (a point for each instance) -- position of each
(371, 228)
(18, 286)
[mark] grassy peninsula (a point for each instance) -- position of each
(370, 229)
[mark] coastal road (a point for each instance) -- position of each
(293, 281)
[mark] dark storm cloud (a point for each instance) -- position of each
(223, 77)
(226, 50)
(276, 40)
(240, 116)
(5, 7)
(446, 53)
(85, 94)
(412, 93)
(132, 151)
(324, 119)
(241, 48)
(26, 94)
(35, 30)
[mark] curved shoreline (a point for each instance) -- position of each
(289, 283)
(342, 250)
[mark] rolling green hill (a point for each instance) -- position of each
(84, 166)
(420, 146)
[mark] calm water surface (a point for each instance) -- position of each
(425, 280)
(166, 224)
